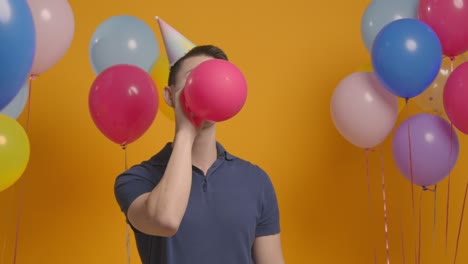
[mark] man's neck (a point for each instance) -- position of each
(204, 151)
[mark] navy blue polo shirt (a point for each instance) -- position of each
(227, 209)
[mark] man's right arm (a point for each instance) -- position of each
(160, 211)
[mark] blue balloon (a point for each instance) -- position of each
(379, 13)
(16, 106)
(17, 47)
(123, 40)
(406, 57)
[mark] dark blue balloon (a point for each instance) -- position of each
(17, 47)
(406, 56)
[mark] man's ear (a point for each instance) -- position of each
(169, 96)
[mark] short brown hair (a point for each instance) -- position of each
(207, 50)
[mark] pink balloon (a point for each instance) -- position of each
(455, 95)
(215, 90)
(363, 111)
(55, 26)
(123, 103)
(445, 17)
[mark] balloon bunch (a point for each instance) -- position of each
(414, 47)
(123, 100)
(35, 35)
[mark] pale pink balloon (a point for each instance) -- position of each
(363, 111)
(55, 26)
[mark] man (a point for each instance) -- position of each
(195, 203)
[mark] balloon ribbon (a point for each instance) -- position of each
(370, 198)
(384, 196)
(461, 223)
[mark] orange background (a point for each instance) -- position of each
(293, 54)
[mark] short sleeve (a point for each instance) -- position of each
(131, 184)
(269, 222)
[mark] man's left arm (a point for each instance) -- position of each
(267, 250)
(267, 244)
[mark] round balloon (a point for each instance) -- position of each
(455, 95)
(363, 111)
(14, 151)
(16, 106)
(160, 75)
(123, 40)
(380, 13)
(446, 18)
(406, 57)
(431, 100)
(18, 42)
(434, 149)
(215, 90)
(123, 103)
(55, 26)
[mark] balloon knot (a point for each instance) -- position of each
(425, 188)
(33, 77)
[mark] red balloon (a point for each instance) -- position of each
(123, 103)
(448, 18)
(215, 90)
(455, 97)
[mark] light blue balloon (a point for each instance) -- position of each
(380, 13)
(16, 106)
(123, 40)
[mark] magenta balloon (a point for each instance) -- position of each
(215, 90)
(123, 103)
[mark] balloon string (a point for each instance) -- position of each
(127, 231)
(31, 79)
(419, 227)
(384, 196)
(20, 185)
(452, 58)
(447, 216)
(461, 223)
(411, 173)
(3, 250)
(402, 239)
(18, 218)
(434, 229)
(127, 241)
(448, 193)
(369, 198)
(410, 156)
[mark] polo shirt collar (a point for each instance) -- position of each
(162, 158)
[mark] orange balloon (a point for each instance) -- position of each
(160, 75)
(368, 68)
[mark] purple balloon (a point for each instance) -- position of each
(434, 148)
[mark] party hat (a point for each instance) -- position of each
(175, 43)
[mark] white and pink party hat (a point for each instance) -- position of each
(176, 44)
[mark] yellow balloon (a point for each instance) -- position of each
(160, 75)
(368, 68)
(14, 151)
